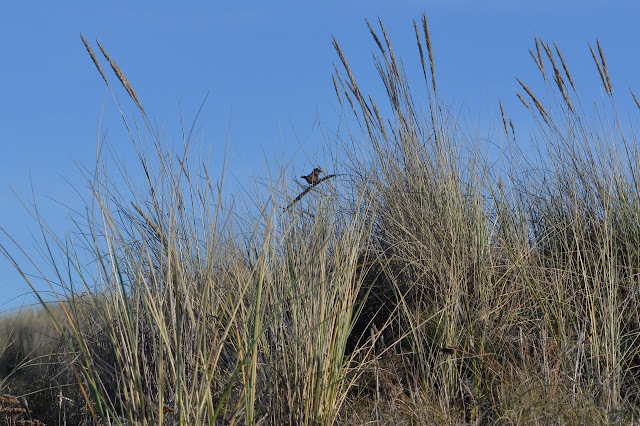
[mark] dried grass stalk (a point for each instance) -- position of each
(557, 77)
(541, 109)
(335, 86)
(504, 120)
(540, 61)
(375, 37)
(394, 64)
(379, 118)
(428, 38)
(95, 60)
(526, 104)
(635, 99)
(605, 68)
(564, 65)
(353, 86)
(600, 70)
(424, 68)
(116, 69)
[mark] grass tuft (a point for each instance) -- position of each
(424, 281)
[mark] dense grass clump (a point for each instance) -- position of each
(423, 282)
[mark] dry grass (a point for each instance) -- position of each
(432, 285)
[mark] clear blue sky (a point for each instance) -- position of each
(267, 68)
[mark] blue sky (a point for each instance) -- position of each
(267, 69)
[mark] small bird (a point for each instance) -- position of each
(449, 349)
(312, 177)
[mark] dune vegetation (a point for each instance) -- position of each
(427, 282)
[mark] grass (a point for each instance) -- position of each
(425, 283)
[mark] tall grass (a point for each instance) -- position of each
(517, 285)
(426, 283)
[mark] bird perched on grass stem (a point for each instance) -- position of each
(312, 177)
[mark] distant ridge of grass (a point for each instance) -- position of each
(423, 286)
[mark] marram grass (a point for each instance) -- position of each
(425, 283)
